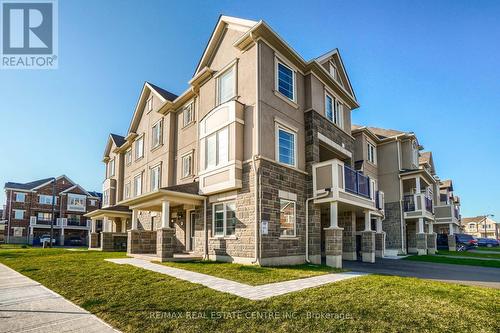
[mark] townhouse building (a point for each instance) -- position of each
(481, 227)
(253, 163)
(448, 210)
(28, 210)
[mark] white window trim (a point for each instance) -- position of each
(159, 123)
(218, 162)
(294, 219)
(136, 194)
(128, 151)
(125, 194)
(19, 210)
(46, 195)
(191, 164)
(374, 150)
(184, 109)
(20, 193)
(230, 66)
(140, 137)
(149, 104)
(327, 94)
(224, 219)
(279, 126)
(278, 61)
(151, 169)
(111, 171)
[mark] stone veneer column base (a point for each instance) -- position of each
(107, 241)
(333, 247)
(379, 244)
(452, 243)
(368, 246)
(350, 256)
(431, 243)
(315, 259)
(421, 244)
(133, 242)
(165, 243)
(93, 240)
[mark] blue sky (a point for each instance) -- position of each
(425, 66)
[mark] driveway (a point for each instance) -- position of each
(26, 305)
(469, 275)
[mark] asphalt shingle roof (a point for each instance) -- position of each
(164, 93)
(118, 139)
(27, 186)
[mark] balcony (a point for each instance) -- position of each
(447, 213)
(418, 206)
(60, 223)
(346, 186)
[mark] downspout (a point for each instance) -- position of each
(258, 241)
(205, 248)
(327, 192)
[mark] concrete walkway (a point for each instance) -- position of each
(27, 306)
(236, 288)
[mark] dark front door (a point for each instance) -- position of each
(191, 230)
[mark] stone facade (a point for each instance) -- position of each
(368, 246)
(431, 243)
(421, 240)
(452, 243)
(347, 223)
(141, 241)
(333, 247)
(391, 225)
(165, 243)
(379, 244)
(94, 238)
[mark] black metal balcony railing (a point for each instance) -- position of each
(409, 203)
(378, 204)
(43, 221)
(356, 182)
(428, 204)
(76, 222)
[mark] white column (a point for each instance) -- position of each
(165, 214)
(379, 225)
(134, 219)
(334, 223)
(451, 229)
(431, 227)
(92, 225)
(417, 184)
(420, 226)
(368, 224)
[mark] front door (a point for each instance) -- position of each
(191, 230)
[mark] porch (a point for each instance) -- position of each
(113, 236)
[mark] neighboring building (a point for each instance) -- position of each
(408, 180)
(481, 227)
(29, 210)
(448, 211)
(2, 224)
(225, 170)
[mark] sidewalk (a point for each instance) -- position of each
(236, 288)
(27, 306)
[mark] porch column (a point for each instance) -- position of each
(421, 238)
(431, 239)
(368, 240)
(92, 225)
(349, 238)
(417, 184)
(334, 222)
(165, 214)
(379, 239)
(450, 226)
(134, 219)
(333, 239)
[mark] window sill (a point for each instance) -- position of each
(224, 238)
(286, 99)
(191, 124)
(157, 147)
(139, 158)
(288, 238)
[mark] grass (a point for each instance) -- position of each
(470, 261)
(253, 275)
(469, 254)
(136, 300)
(13, 246)
(484, 248)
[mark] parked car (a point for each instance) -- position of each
(46, 239)
(75, 241)
(463, 242)
(488, 242)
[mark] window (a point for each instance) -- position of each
(105, 198)
(92, 202)
(187, 165)
(20, 197)
(138, 185)
(286, 81)
(187, 115)
(126, 190)
(415, 153)
(45, 199)
(226, 86)
(128, 156)
(217, 148)
(333, 71)
(287, 218)
(77, 202)
(150, 104)
(372, 153)
(18, 214)
(224, 217)
(111, 168)
(44, 217)
(155, 178)
(286, 146)
(339, 115)
(329, 107)
(18, 231)
(139, 148)
(156, 137)
(73, 219)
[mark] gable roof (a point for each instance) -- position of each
(95, 194)
(342, 71)
(118, 139)
(447, 183)
(69, 189)
(476, 219)
(162, 94)
(425, 157)
(217, 34)
(385, 133)
(27, 186)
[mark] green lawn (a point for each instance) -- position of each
(13, 246)
(484, 248)
(469, 254)
(253, 275)
(470, 261)
(136, 300)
